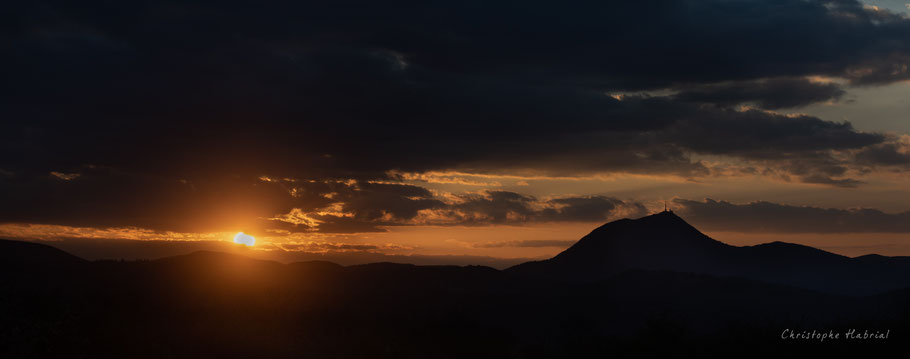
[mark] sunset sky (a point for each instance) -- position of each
(451, 132)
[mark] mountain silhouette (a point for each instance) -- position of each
(649, 287)
(19, 253)
(664, 241)
(660, 241)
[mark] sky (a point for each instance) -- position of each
(468, 132)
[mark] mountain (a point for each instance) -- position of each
(660, 241)
(210, 304)
(16, 253)
(664, 241)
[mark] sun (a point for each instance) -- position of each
(244, 239)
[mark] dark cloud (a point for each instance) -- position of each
(373, 201)
(341, 224)
(818, 168)
(767, 217)
(105, 197)
(894, 152)
(591, 208)
(494, 207)
(485, 208)
(825, 180)
(766, 93)
(352, 206)
(169, 112)
(476, 209)
(501, 207)
(756, 134)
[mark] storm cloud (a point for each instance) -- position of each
(768, 217)
(157, 114)
(766, 93)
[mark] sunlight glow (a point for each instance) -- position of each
(245, 239)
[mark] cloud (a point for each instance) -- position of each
(590, 208)
(106, 197)
(825, 180)
(503, 207)
(755, 134)
(471, 209)
(768, 217)
(894, 152)
(256, 79)
(372, 201)
(162, 116)
(352, 206)
(773, 93)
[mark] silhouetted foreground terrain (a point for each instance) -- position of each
(648, 287)
(664, 241)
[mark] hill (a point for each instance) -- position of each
(664, 241)
(643, 288)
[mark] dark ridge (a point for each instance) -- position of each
(36, 254)
(210, 304)
(207, 255)
(661, 241)
(664, 241)
(321, 265)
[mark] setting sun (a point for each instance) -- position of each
(245, 239)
